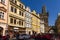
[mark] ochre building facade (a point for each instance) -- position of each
(35, 23)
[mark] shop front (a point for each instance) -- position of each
(34, 32)
(29, 31)
(17, 29)
(3, 28)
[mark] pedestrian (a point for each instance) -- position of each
(7, 37)
(11, 35)
(17, 35)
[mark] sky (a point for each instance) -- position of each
(52, 6)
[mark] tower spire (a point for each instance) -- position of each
(44, 9)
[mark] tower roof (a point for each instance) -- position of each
(44, 9)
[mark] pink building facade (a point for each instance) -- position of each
(3, 16)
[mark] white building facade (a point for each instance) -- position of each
(28, 21)
(42, 27)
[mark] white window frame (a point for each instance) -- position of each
(2, 15)
(13, 9)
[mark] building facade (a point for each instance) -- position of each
(28, 21)
(44, 20)
(3, 16)
(35, 23)
(57, 24)
(16, 16)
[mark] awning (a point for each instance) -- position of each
(16, 28)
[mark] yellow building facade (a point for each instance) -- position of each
(16, 16)
(35, 23)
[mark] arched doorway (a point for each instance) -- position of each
(1, 31)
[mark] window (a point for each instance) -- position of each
(19, 22)
(22, 13)
(11, 9)
(27, 25)
(22, 23)
(19, 12)
(3, 1)
(11, 20)
(27, 19)
(14, 21)
(15, 1)
(22, 7)
(1, 15)
(15, 10)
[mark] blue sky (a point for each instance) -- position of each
(52, 6)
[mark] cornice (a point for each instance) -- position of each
(3, 9)
(35, 15)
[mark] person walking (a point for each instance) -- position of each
(17, 35)
(11, 35)
(7, 37)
